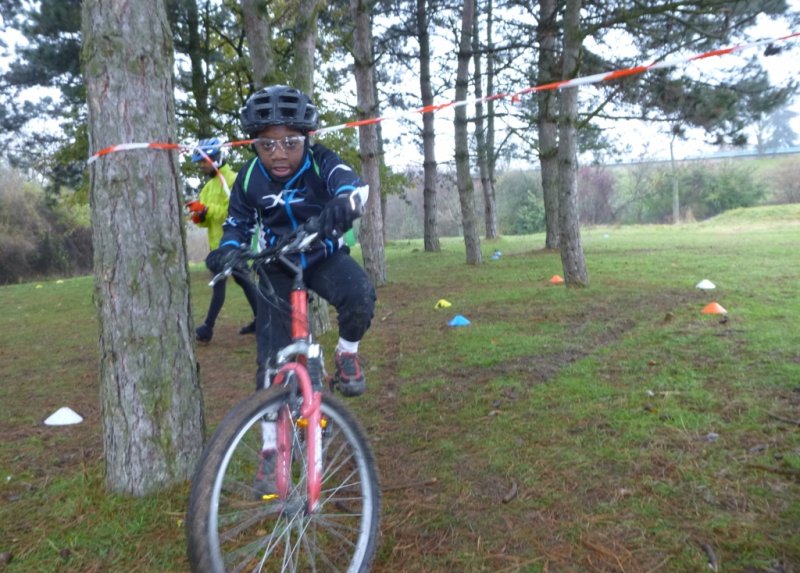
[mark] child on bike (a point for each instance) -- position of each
(209, 211)
(290, 181)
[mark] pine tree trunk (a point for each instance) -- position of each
(548, 129)
(466, 191)
(490, 114)
(151, 398)
(305, 47)
(199, 80)
(431, 233)
(371, 230)
(483, 152)
(676, 196)
(572, 260)
(258, 30)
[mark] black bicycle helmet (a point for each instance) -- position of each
(279, 105)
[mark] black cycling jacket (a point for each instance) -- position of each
(278, 208)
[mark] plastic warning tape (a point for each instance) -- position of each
(514, 97)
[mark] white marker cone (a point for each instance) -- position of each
(63, 417)
(705, 284)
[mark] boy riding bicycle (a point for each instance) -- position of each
(288, 182)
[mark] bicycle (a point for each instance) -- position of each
(324, 511)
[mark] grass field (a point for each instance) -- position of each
(612, 428)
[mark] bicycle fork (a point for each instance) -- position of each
(307, 369)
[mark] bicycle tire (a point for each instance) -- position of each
(229, 530)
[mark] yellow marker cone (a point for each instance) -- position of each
(714, 308)
(442, 304)
(556, 280)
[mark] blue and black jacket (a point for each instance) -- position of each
(259, 202)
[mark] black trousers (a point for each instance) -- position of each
(218, 298)
(340, 280)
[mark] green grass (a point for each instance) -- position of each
(602, 429)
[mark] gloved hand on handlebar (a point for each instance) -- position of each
(218, 258)
(338, 215)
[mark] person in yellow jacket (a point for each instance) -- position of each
(209, 211)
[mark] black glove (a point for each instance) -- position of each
(337, 216)
(218, 258)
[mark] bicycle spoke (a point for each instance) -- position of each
(279, 535)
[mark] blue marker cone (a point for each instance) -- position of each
(458, 320)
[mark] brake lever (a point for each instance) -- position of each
(221, 276)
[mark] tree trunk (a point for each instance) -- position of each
(305, 45)
(572, 260)
(431, 233)
(548, 129)
(483, 152)
(258, 30)
(676, 198)
(371, 230)
(466, 192)
(199, 80)
(151, 398)
(490, 114)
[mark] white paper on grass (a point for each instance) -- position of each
(63, 417)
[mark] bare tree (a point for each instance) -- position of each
(483, 151)
(305, 44)
(466, 190)
(430, 232)
(371, 231)
(572, 259)
(151, 398)
(547, 32)
(258, 30)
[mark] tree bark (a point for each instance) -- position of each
(258, 30)
(572, 260)
(547, 126)
(152, 407)
(466, 191)
(305, 45)
(482, 149)
(676, 196)
(199, 79)
(371, 230)
(430, 231)
(490, 107)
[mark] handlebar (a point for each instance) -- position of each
(298, 241)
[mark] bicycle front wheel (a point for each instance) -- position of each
(232, 527)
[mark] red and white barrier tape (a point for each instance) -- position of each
(581, 81)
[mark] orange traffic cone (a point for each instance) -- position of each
(714, 308)
(556, 280)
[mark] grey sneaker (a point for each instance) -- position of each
(349, 376)
(264, 484)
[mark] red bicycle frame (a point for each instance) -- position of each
(310, 409)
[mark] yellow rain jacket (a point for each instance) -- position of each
(215, 196)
